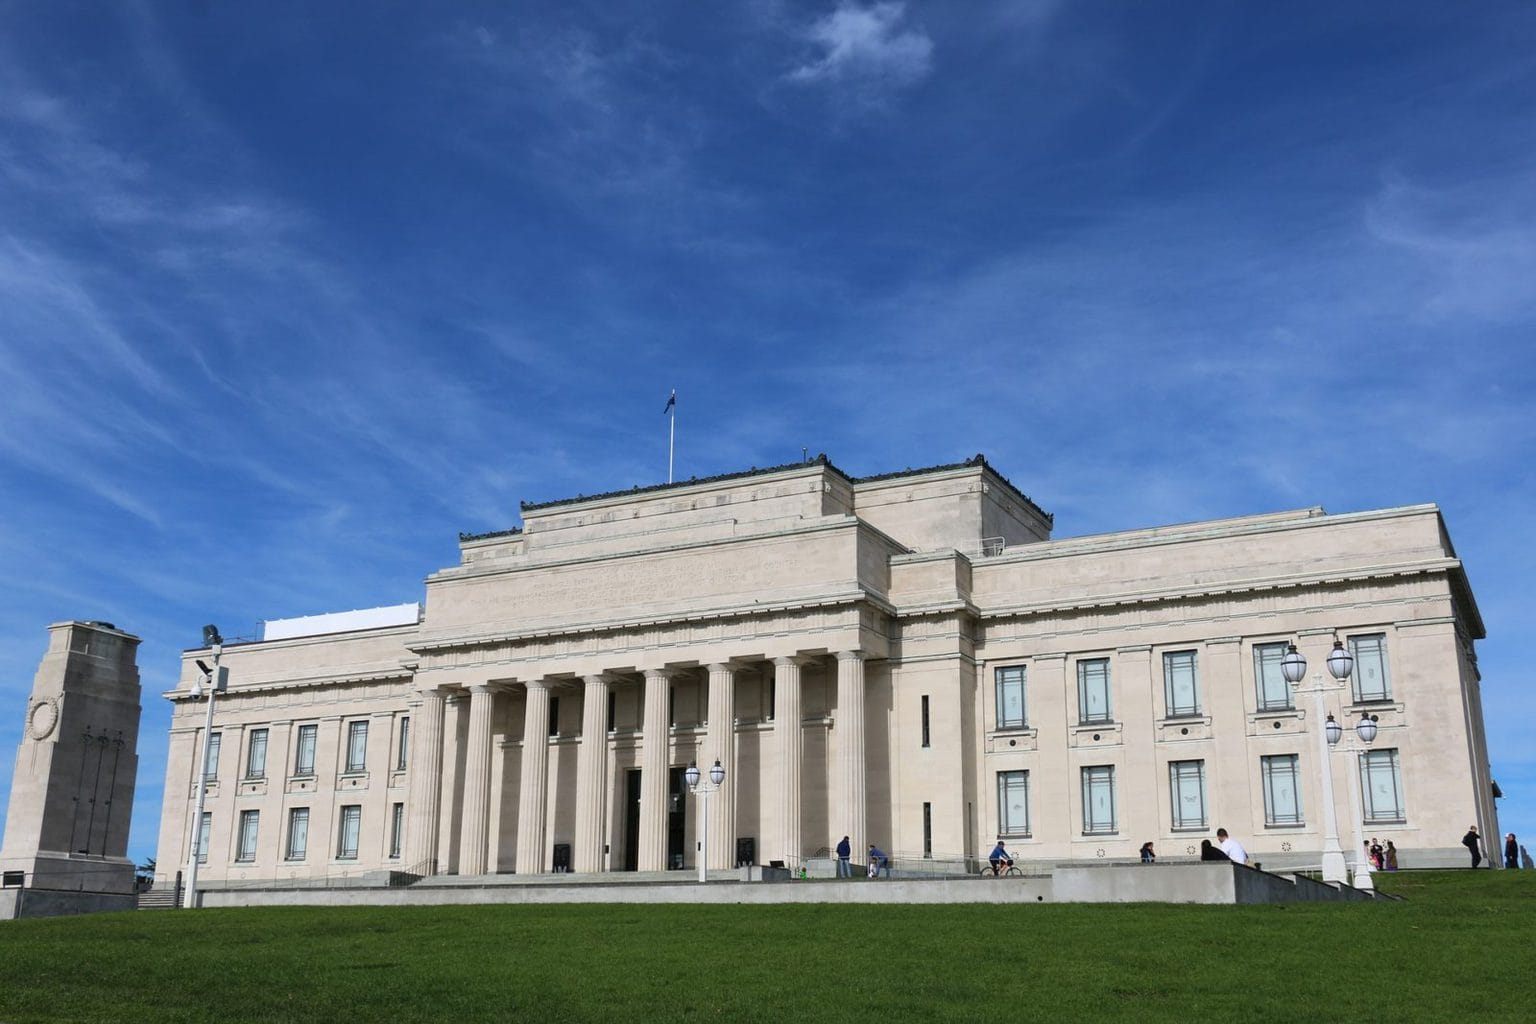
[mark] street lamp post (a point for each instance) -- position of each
(1366, 730)
(703, 791)
(214, 681)
(1340, 665)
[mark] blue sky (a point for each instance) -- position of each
(292, 293)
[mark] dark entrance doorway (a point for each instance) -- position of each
(677, 816)
(632, 820)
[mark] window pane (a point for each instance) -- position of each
(351, 827)
(304, 757)
(1273, 691)
(1093, 690)
(1013, 803)
(357, 746)
(214, 743)
(1370, 676)
(1186, 781)
(1382, 784)
(249, 823)
(1010, 698)
(1099, 800)
(202, 837)
(396, 829)
(1180, 691)
(405, 744)
(1282, 793)
(256, 759)
(298, 833)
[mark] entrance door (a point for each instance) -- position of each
(677, 816)
(632, 820)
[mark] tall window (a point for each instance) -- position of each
(357, 746)
(1369, 679)
(403, 748)
(926, 734)
(1010, 698)
(351, 827)
(250, 822)
(927, 829)
(1013, 803)
(554, 714)
(1099, 800)
(1282, 789)
(203, 829)
(1274, 692)
(215, 741)
(1382, 783)
(1181, 690)
(396, 828)
(613, 710)
(298, 833)
(304, 753)
(1186, 784)
(256, 755)
(1093, 691)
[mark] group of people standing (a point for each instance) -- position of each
(876, 862)
(1512, 849)
(1382, 858)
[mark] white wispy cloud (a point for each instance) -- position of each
(868, 48)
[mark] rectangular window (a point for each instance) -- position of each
(1013, 803)
(396, 829)
(613, 710)
(351, 828)
(1282, 789)
(1099, 801)
(1370, 680)
(1181, 689)
(298, 833)
(250, 822)
(357, 746)
(554, 716)
(1010, 698)
(215, 741)
(925, 720)
(773, 696)
(1382, 783)
(256, 755)
(1093, 691)
(403, 748)
(304, 752)
(927, 829)
(1274, 693)
(203, 831)
(1186, 784)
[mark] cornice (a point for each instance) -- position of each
(303, 683)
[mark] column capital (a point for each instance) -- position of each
(482, 689)
(729, 665)
(794, 659)
(603, 678)
(658, 674)
(852, 655)
(541, 683)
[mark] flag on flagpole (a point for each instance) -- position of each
(670, 402)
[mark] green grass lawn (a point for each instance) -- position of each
(1458, 949)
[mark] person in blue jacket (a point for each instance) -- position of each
(844, 851)
(999, 858)
(878, 861)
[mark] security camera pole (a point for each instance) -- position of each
(214, 682)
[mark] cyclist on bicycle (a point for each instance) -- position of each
(999, 859)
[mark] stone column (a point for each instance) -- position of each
(653, 772)
(592, 776)
(850, 805)
(533, 796)
(474, 842)
(721, 743)
(786, 725)
(425, 791)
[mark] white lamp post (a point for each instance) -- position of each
(1366, 730)
(1294, 667)
(214, 681)
(702, 791)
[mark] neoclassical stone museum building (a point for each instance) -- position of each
(906, 659)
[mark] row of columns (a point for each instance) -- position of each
(849, 807)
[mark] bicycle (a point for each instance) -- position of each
(1007, 869)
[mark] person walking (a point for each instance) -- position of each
(1511, 852)
(1473, 845)
(844, 851)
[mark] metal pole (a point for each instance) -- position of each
(202, 782)
(671, 440)
(1335, 868)
(704, 836)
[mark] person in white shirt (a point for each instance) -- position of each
(1231, 847)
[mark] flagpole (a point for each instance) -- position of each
(671, 442)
